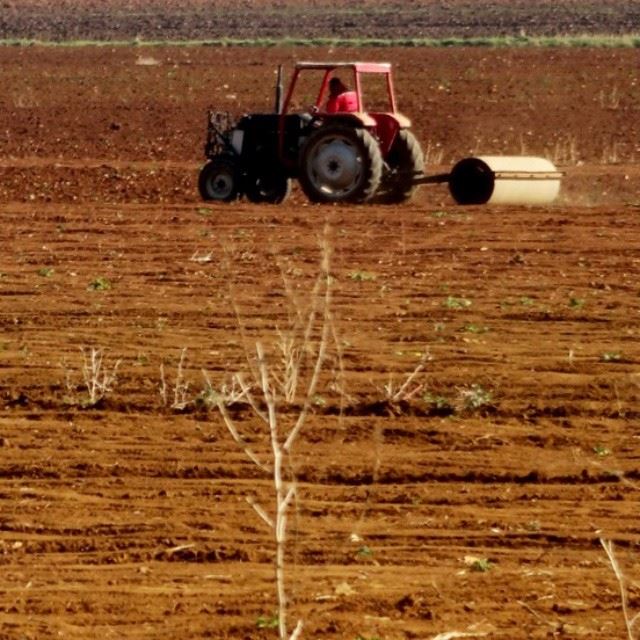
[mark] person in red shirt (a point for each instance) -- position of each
(341, 98)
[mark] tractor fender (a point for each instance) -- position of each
(403, 121)
(387, 127)
(400, 120)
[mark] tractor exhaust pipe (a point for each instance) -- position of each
(278, 105)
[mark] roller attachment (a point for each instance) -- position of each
(504, 180)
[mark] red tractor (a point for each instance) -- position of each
(339, 154)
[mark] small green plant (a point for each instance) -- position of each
(441, 403)
(533, 526)
(478, 564)
(142, 359)
(319, 401)
(576, 303)
(475, 328)
(268, 622)
(506, 304)
(99, 284)
(45, 272)
(362, 276)
(601, 450)
(475, 397)
(481, 565)
(364, 552)
(452, 302)
(611, 356)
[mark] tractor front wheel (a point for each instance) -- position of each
(339, 163)
(271, 187)
(219, 179)
(405, 162)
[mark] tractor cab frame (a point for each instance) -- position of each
(383, 124)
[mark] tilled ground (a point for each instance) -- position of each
(387, 19)
(473, 502)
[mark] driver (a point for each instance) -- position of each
(341, 98)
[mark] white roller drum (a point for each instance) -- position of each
(504, 180)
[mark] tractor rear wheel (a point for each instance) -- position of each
(271, 187)
(405, 161)
(219, 179)
(339, 163)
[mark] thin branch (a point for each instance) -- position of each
(403, 393)
(340, 386)
(322, 347)
(243, 336)
(310, 391)
(291, 362)
(281, 528)
(269, 398)
(300, 316)
(315, 296)
(238, 438)
(534, 613)
(231, 394)
(607, 545)
(297, 631)
(260, 511)
(246, 388)
(163, 386)
(97, 379)
(287, 499)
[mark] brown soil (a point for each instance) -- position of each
(207, 19)
(129, 520)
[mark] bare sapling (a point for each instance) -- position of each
(287, 374)
(631, 622)
(180, 385)
(97, 377)
(409, 386)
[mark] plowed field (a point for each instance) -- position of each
(472, 502)
(386, 19)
